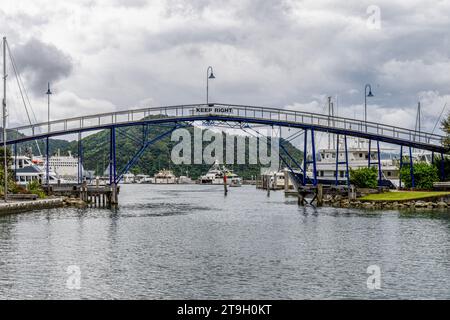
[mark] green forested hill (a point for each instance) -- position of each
(31, 147)
(155, 157)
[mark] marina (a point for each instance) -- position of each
(224, 153)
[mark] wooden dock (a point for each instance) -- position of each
(98, 195)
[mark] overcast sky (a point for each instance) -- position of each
(108, 55)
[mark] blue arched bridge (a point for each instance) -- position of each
(181, 115)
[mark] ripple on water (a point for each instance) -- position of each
(191, 242)
(158, 209)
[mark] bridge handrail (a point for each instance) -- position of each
(247, 111)
(339, 118)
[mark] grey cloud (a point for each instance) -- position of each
(30, 21)
(190, 35)
(41, 63)
(263, 52)
(131, 3)
(187, 8)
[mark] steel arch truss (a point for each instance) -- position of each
(115, 175)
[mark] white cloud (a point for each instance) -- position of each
(273, 53)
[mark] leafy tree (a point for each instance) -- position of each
(437, 164)
(36, 188)
(364, 177)
(8, 155)
(445, 125)
(424, 176)
(12, 186)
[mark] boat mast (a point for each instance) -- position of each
(5, 164)
(330, 122)
(329, 116)
(418, 119)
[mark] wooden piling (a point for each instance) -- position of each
(114, 194)
(286, 181)
(319, 198)
(300, 199)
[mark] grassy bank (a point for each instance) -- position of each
(404, 195)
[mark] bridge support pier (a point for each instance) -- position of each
(114, 194)
(347, 175)
(380, 175)
(442, 167)
(112, 166)
(15, 161)
(411, 168)
(316, 191)
(313, 151)
(80, 159)
(400, 169)
(305, 157)
(47, 158)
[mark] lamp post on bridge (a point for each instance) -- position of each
(47, 166)
(366, 95)
(5, 162)
(48, 93)
(209, 75)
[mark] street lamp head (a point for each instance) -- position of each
(211, 75)
(370, 94)
(48, 91)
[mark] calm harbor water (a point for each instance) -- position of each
(189, 241)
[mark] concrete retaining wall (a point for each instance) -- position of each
(21, 206)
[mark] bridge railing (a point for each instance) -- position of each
(99, 121)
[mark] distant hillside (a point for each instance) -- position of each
(31, 147)
(155, 157)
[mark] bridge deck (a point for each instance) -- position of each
(235, 113)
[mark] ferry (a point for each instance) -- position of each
(65, 167)
(27, 170)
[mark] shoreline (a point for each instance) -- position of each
(421, 204)
(30, 205)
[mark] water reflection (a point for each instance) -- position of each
(171, 242)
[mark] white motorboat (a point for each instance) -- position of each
(216, 173)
